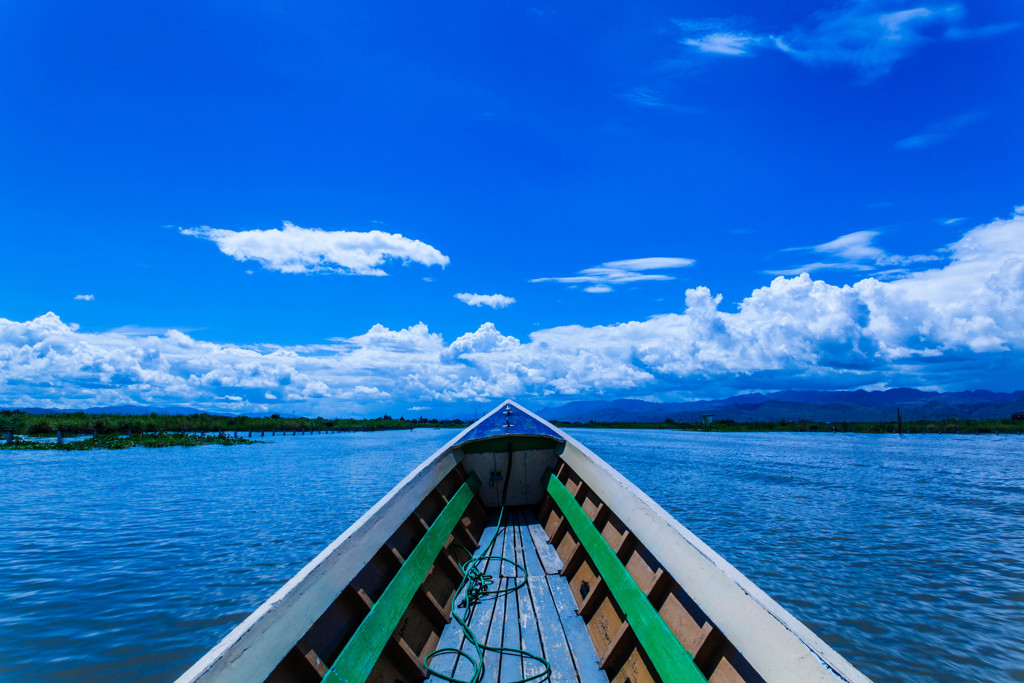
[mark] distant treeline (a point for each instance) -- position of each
(111, 442)
(47, 424)
(950, 426)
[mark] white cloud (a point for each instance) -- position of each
(603, 277)
(735, 44)
(856, 251)
(651, 263)
(84, 297)
(492, 300)
(940, 131)
(958, 325)
(868, 36)
(292, 249)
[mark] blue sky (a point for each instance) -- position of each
(339, 207)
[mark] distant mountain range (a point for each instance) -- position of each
(820, 406)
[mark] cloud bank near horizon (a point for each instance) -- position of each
(947, 327)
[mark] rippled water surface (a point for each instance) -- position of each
(906, 555)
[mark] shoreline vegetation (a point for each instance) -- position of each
(115, 431)
(154, 430)
(113, 442)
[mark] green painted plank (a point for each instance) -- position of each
(672, 662)
(363, 649)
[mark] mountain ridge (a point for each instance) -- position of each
(822, 406)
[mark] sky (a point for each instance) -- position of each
(345, 208)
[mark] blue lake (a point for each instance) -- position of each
(905, 554)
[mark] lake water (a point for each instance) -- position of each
(905, 554)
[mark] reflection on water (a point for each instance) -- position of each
(906, 555)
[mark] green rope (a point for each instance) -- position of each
(477, 587)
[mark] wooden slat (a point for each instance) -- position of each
(572, 563)
(311, 657)
(529, 633)
(580, 645)
(660, 584)
(671, 661)
(555, 646)
(492, 660)
(429, 606)
(589, 604)
(617, 647)
(412, 660)
(511, 665)
(549, 559)
(363, 649)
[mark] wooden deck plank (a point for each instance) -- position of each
(529, 632)
(511, 664)
(553, 642)
(549, 559)
(492, 660)
(452, 636)
(580, 645)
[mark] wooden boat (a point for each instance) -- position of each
(576, 575)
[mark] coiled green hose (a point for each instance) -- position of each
(475, 584)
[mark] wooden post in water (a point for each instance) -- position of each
(10, 436)
(60, 437)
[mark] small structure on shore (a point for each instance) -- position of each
(707, 419)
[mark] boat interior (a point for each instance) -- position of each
(514, 554)
(547, 613)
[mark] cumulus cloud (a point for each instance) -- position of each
(292, 249)
(868, 36)
(956, 325)
(603, 277)
(855, 251)
(492, 300)
(84, 297)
